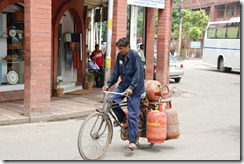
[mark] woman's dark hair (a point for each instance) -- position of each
(123, 42)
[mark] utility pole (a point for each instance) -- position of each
(109, 40)
(180, 30)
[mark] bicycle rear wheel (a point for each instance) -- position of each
(94, 136)
(143, 143)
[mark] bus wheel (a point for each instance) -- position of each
(221, 66)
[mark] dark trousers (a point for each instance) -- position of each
(99, 78)
(133, 105)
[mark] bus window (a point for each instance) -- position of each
(211, 34)
(221, 32)
(239, 34)
(232, 32)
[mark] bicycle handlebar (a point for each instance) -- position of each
(117, 93)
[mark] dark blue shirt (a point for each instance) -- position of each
(130, 72)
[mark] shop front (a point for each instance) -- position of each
(12, 49)
(44, 41)
(40, 42)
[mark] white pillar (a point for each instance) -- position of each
(133, 26)
(100, 27)
(109, 41)
(92, 40)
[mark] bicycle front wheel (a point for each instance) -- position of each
(94, 136)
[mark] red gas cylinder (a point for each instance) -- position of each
(156, 130)
(152, 88)
(173, 130)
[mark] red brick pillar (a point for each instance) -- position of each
(119, 27)
(149, 42)
(163, 43)
(37, 56)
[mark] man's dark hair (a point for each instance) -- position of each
(92, 55)
(123, 42)
(97, 45)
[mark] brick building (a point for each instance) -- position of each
(38, 39)
(216, 10)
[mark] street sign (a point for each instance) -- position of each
(146, 3)
(195, 45)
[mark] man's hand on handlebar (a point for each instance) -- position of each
(105, 88)
(128, 92)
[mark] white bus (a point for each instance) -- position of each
(222, 44)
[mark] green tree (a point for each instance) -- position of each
(197, 19)
(175, 23)
(140, 18)
(194, 33)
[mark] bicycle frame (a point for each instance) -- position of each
(108, 105)
(102, 126)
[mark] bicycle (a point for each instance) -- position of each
(96, 132)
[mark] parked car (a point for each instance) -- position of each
(176, 69)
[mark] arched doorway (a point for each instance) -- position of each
(69, 47)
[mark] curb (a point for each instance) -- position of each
(36, 119)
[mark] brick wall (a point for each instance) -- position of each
(193, 4)
(211, 8)
(12, 95)
(6, 3)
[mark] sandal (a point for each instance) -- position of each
(131, 148)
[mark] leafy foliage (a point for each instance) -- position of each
(197, 19)
(59, 82)
(90, 76)
(194, 33)
(140, 21)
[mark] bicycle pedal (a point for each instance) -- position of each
(116, 124)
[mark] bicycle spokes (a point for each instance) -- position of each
(98, 128)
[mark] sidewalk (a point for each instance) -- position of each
(61, 108)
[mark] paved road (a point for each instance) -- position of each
(208, 105)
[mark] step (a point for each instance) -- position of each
(73, 88)
(67, 84)
(70, 87)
